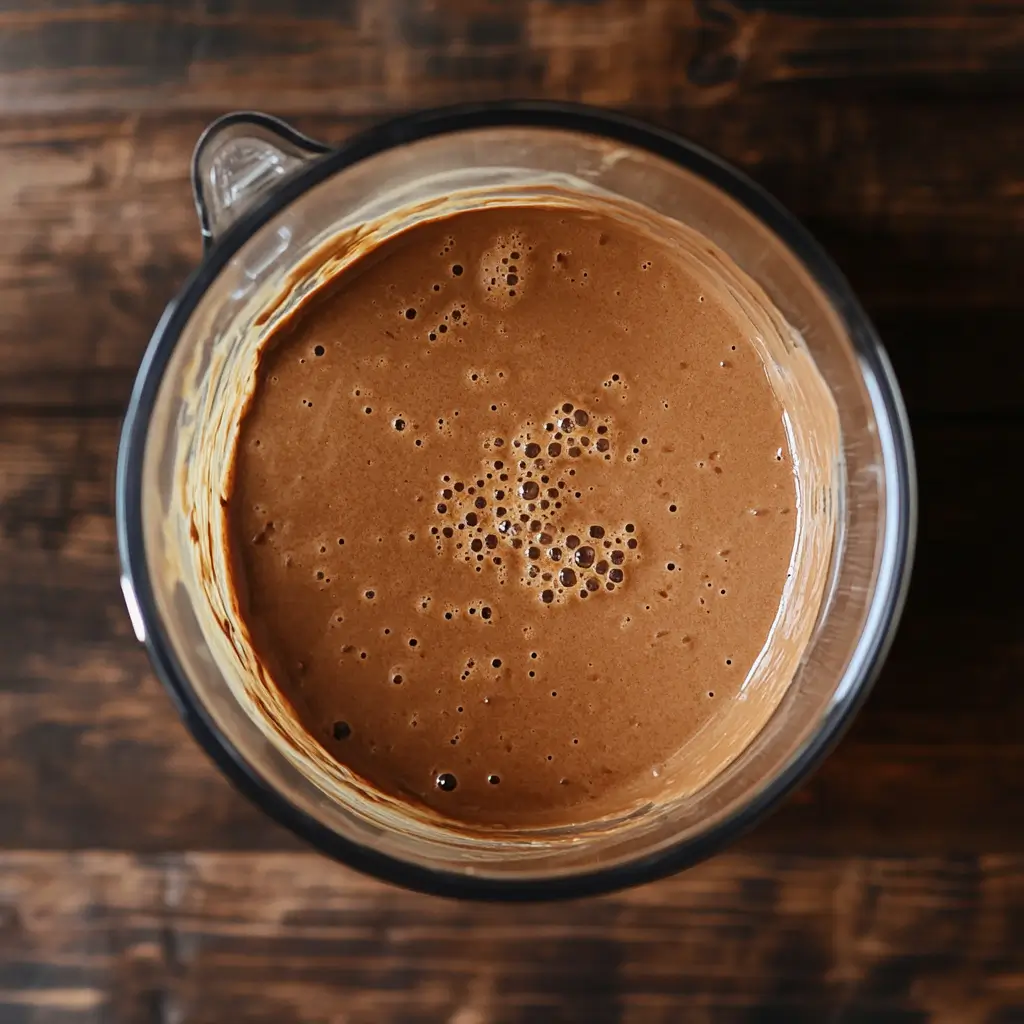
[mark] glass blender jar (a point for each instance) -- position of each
(269, 199)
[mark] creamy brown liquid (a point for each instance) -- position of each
(511, 513)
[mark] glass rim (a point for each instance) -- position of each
(900, 516)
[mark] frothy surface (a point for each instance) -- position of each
(512, 510)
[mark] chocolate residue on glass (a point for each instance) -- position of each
(529, 517)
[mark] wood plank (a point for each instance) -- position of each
(99, 232)
(280, 938)
(91, 753)
(88, 729)
(361, 56)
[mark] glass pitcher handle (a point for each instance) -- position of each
(240, 157)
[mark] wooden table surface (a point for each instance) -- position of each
(137, 886)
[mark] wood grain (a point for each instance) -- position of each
(207, 938)
(137, 886)
(374, 56)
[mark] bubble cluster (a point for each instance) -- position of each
(447, 325)
(438, 324)
(522, 517)
(619, 386)
(503, 269)
(562, 262)
(708, 590)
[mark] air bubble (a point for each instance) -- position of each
(584, 557)
(341, 730)
(447, 782)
